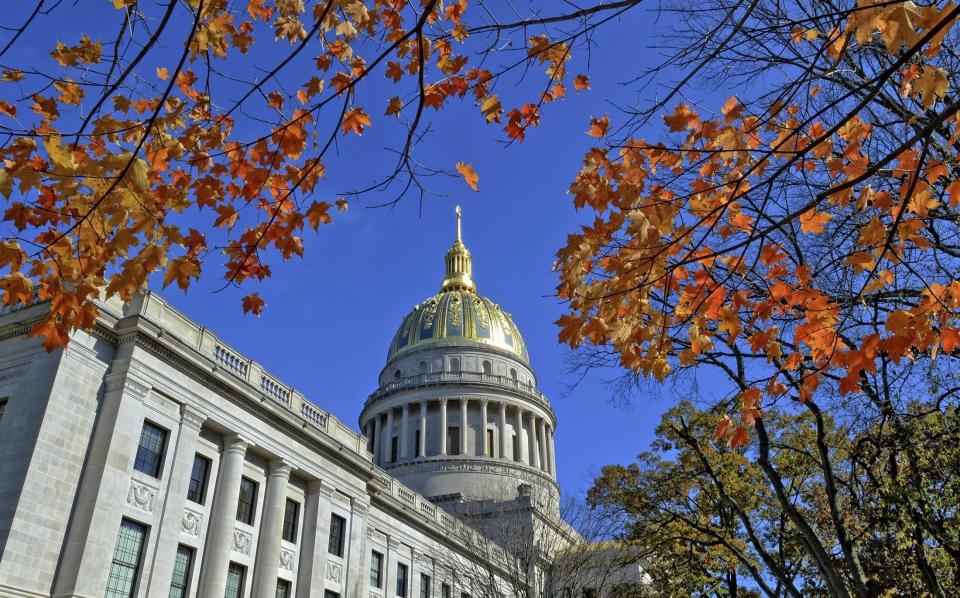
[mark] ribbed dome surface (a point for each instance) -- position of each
(458, 316)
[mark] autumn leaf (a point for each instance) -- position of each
(581, 83)
(317, 214)
(252, 303)
(598, 126)
(354, 120)
(70, 92)
(163, 73)
(813, 221)
(394, 107)
(472, 178)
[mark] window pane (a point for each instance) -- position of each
(198, 479)
(330, 594)
(235, 576)
(283, 588)
(150, 450)
(337, 527)
(445, 591)
(246, 506)
(290, 515)
(401, 580)
(125, 568)
(424, 585)
(181, 572)
(376, 569)
(3, 407)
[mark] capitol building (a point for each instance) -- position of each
(151, 459)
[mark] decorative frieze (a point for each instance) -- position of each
(141, 496)
(286, 559)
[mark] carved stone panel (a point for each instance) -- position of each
(334, 572)
(286, 559)
(141, 496)
(242, 541)
(190, 524)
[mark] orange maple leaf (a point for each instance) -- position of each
(355, 120)
(469, 175)
(598, 126)
(253, 304)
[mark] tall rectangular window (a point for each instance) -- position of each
(424, 586)
(150, 450)
(125, 567)
(376, 569)
(291, 515)
(489, 443)
(516, 447)
(445, 590)
(283, 588)
(3, 407)
(416, 442)
(197, 491)
(338, 528)
(402, 580)
(330, 594)
(180, 584)
(246, 506)
(453, 440)
(394, 442)
(235, 578)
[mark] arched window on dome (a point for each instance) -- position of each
(397, 375)
(423, 367)
(513, 374)
(454, 365)
(487, 368)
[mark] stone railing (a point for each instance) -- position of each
(230, 361)
(472, 378)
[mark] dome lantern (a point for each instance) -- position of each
(459, 266)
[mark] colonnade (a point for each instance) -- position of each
(536, 450)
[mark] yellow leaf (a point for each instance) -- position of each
(163, 73)
(60, 156)
(812, 221)
(70, 92)
(491, 108)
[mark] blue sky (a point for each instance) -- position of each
(331, 315)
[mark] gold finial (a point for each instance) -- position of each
(458, 223)
(459, 265)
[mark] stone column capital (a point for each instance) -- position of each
(235, 443)
(443, 400)
(279, 468)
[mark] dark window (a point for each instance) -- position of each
(283, 588)
(416, 442)
(330, 594)
(424, 585)
(125, 567)
(235, 575)
(338, 527)
(453, 440)
(247, 504)
(401, 580)
(489, 443)
(376, 569)
(486, 367)
(3, 407)
(180, 584)
(197, 492)
(454, 365)
(464, 595)
(589, 593)
(393, 449)
(150, 451)
(445, 591)
(516, 447)
(291, 514)
(513, 374)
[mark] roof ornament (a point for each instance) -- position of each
(459, 264)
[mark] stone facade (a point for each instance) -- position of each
(69, 437)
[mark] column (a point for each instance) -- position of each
(358, 567)
(534, 443)
(223, 515)
(443, 426)
(422, 449)
(168, 533)
(484, 449)
(520, 440)
(541, 444)
(405, 433)
(271, 526)
(376, 438)
(388, 438)
(463, 426)
(503, 432)
(551, 447)
(313, 544)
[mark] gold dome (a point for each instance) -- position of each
(458, 314)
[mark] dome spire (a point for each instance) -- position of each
(459, 265)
